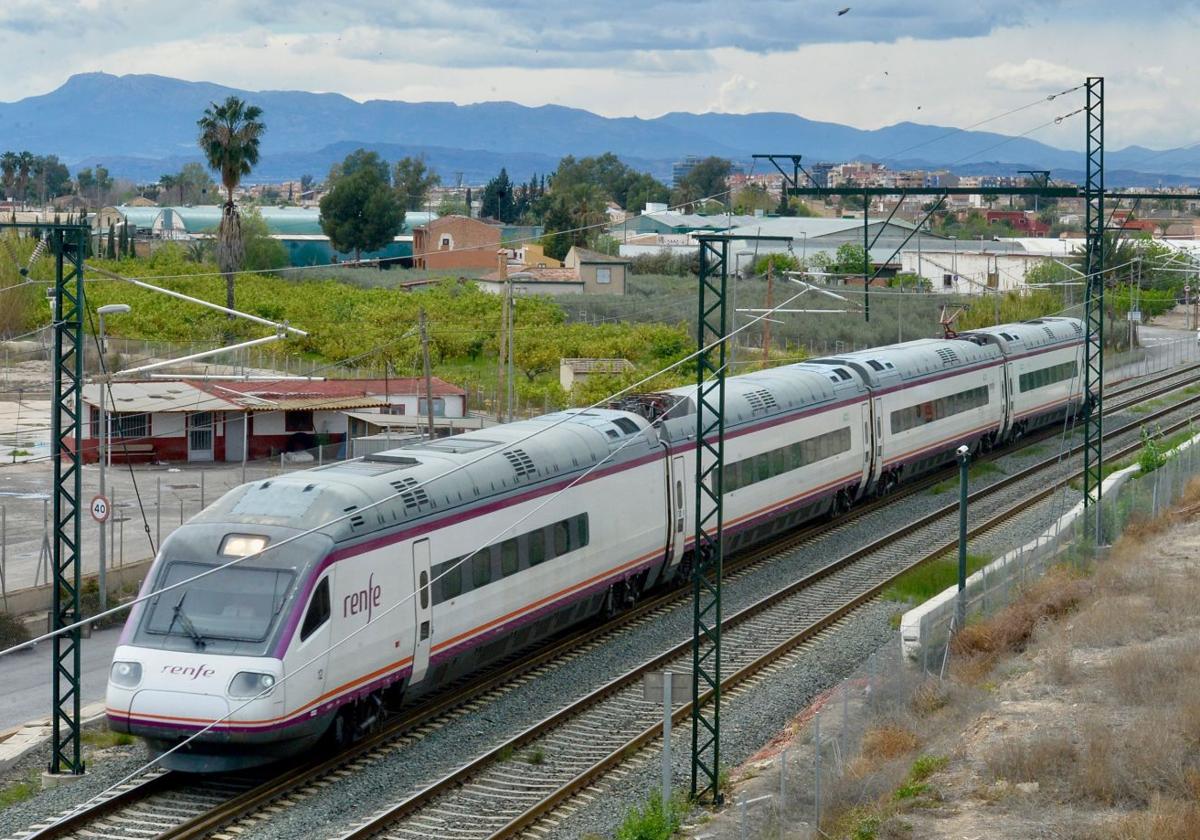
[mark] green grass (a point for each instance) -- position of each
(652, 821)
(974, 472)
(18, 791)
(103, 738)
(535, 756)
(923, 582)
(915, 785)
(1164, 401)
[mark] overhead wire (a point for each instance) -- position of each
(141, 598)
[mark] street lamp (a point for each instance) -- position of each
(105, 435)
(954, 263)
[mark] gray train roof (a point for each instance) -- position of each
(925, 357)
(752, 396)
(487, 463)
(1030, 335)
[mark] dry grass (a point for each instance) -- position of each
(1153, 673)
(1165, 819)
(888, 741)
(1035, 759)
(1009, 630)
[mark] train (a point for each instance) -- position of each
(402, 571)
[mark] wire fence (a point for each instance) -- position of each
(808, 788)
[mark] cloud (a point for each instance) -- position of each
(1034, 74)
(733, 97)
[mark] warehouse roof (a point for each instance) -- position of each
(279, 220)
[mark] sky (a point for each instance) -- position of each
(945, 62)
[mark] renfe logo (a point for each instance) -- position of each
(193, 671)
(364, 600)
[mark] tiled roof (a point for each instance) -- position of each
(537, 275)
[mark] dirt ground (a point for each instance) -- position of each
(1075, 713)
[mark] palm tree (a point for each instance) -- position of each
(167, 183)
(8, 172)
(229, 136)
(24, 166)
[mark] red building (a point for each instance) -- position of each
(198, 420)
(1022, 221)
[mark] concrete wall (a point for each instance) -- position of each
(591, 286)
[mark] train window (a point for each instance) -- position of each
(1048, 376)
(423, 585)
(581, 530)
(481, 569)
(318, 610)
(786, 458)
(779, 461)
(451, 580)
(939, 409)
(562, 538)
(537, 547)
(626, 425)
(762, 467)
(509, 556)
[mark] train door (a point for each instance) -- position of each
(312, 651)
(679, 508)
(877, 469)
(867, 446)
(423, 610)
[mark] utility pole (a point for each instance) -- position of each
(512, 305)
(1093, 307)
(767, 317)
(428, 377)
(500, 360)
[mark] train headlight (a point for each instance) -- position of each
(249, 684)
(125, 674)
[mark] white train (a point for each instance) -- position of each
(453, 571)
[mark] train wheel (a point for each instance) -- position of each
(841, 504)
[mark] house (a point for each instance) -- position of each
(590, 274)
(455, 242)
(199, 420)
(572, 371)
(533, 255)
(1023, 222)
(600, 273)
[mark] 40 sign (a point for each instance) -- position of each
(100, 508)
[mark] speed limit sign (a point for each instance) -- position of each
(100, 509)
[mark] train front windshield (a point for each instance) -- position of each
(235, 607)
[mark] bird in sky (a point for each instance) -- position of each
(843, 11)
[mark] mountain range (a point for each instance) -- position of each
(140, 126)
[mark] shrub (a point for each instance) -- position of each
(652, 822)
(12, 630)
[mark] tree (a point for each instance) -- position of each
(111, 251)
(753, 197)
(849, 259)
(413, 181)
(56, 177)
(194, 185)
(708, 179)
(8, 172)
(620, 183)
(170, 182)
(229, 135)
(263, 252)
(85, 180)
(498, 199)
(361, 212)
(356, 160)
(24, 168)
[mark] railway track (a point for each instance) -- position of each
(169, 805)
(522, 781)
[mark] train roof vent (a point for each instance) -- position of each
(356, 521)
(522, 464)
(1050, 334)
(874, 364)
(949, 357)
(1077, 327)
(412, 495)
(761, 401)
